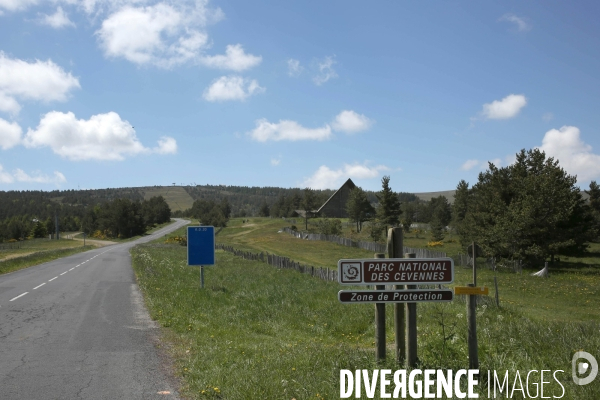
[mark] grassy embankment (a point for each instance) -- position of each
(37, 251)
(258, 332)
(27, 253)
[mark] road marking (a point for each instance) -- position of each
(39, 286)
(72, 269)
(53, 279)
(64, 272)
(21, 295)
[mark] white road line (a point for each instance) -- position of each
(72, 269)
(53, 279)
(21, 295)
(64, 272)
(39, 286)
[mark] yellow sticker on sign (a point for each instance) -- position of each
(483, 290)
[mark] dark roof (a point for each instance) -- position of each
(347, 183)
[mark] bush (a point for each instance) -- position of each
(328, 226)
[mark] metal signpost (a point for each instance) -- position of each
(201, 247)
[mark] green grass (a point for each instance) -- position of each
(40, 257)
(27, 247)
(571, 293)
(176, 197)
(256, 332)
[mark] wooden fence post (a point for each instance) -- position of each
(471, 318)
(380, 322)
(395, 246)
(411, 326)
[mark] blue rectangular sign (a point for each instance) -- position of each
(201, 245)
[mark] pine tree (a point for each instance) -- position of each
(388, 210)
(309, 203)
(529, 210)
(358, 207)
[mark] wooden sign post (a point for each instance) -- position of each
(396, 271)
(411, 326)
(472, 316)
(380, 322)
(395, 246)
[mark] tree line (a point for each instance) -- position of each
(124, 218)
(120, 217)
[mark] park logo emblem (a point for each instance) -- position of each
(351, 272)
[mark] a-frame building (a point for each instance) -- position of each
(335, 206)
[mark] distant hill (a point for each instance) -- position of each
(426, 196)
(176, 197)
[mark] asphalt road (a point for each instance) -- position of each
(77, 328)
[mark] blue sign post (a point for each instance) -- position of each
(201, 247)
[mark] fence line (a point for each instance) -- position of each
(371, 246)
(325, 274)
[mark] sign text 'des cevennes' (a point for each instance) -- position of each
(396, 271)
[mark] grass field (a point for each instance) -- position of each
(571, 293)
(26, 247)
(256, 332)
(175, 196)
(39, 251)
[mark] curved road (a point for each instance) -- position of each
(77, 328)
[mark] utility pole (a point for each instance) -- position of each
(56, 224)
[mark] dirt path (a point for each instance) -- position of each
(95, 242)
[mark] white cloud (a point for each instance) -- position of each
(506, 108)
(10, 134)
(164, 35)
(58, 20)
(521, 23)
(235, 59)
(351, 122)
(102, 137)
(37, 177)
(326, 71)
(9, 104)
(275, 161)
(166, 145)
(294, 67)
(39, 80)
(326, 178)
(231, 88)
(470, 164)
(575, 156)
(547, 117)
(287, 130)
(15, 5)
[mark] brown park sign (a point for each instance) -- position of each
(396, 271)
(394, 296)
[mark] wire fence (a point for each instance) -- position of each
(325, 274)
(371, 246)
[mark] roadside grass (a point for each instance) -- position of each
(571, 293)
(40, 257)
(258, 332)
(26, 247)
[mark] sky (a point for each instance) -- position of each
(127, 93)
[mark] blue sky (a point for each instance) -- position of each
(114, 93)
